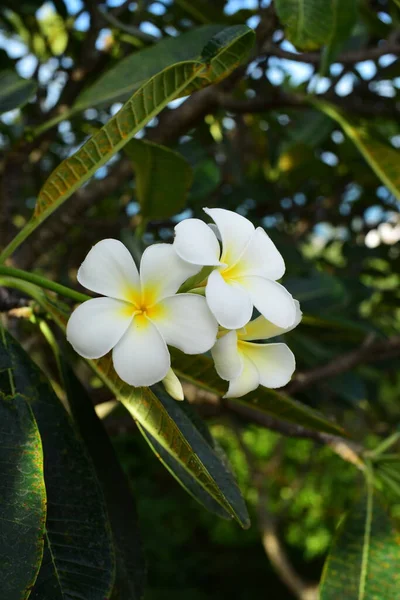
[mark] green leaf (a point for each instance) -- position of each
(363, 563)
(78, 559)
(308, 23)
(162, 419)
(382, 158)
(130, 564)
(220, 56)
(198, 440)
(120, 82)
(200, 371)
(163, 178)
(145, 103)
(22, 498)
(14, 91)
(343, 22)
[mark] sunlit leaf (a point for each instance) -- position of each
(78, 560)
(163, 178)
(14, 91)
(22, 497)
(382, 158)
(363, 563)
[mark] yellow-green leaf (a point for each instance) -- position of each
(382, 158)
(364, 560)
(163, 178)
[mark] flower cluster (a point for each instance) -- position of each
(141, 313)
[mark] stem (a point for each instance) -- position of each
(44, 283)
(19, 238)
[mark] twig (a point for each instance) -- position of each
(352, 56)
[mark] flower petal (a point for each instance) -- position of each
(230, 304)
(260, 257)
(186, 322)
(275, 362)
(247, 381)
(235, 231)
(141, 357)
(162, 272)
(109, 269)
(227, 359)
(272, 300)
(196, 243)
(262, 329)
(173, 386)
(97, 325)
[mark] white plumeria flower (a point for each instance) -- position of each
(140, 314)
(246, 270)
(247, 365)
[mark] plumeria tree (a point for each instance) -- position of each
(224, 291)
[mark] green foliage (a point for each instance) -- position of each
(364, 558)
(381, 156)
(308, 23)
(162, 419)
(77, 539)
(14, 91)
(130, 566)
(159, 195)
(23, 498)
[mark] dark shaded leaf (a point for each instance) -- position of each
(22, 498)
(14, 91)
(78, 559)
(130, 563)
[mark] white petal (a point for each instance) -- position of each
(196, 243)
(262, 329)
(173, 386)
(162, 272)
(227, 359)
(141, 357)
(230, 304)
(109, 269)
(272, 300)
(247, 381)
(186, 322)
(235, 231)
(260, 257)
(275, 362)
(97, 325)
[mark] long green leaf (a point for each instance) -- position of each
(152, 97)
(200, 371)
(163, 178)
(363, 563)
(122, 80)
(156, 415)
(22, 498)
(344, 18)
(382, 158)
(130, 564)
(308, 23)
(196, 437)
(14, 91)
(164, 421)
(78, 560)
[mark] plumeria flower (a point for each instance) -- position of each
(247, 267)
(140, 314)
(247, 365)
